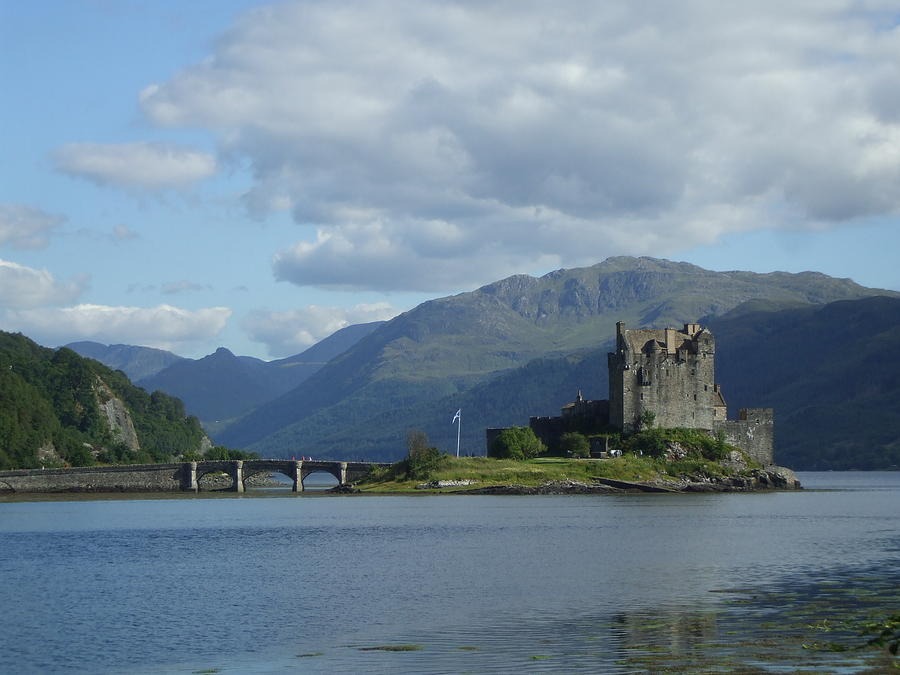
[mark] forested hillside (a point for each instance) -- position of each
(58, 408)
(831, 373)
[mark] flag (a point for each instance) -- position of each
(456, 416)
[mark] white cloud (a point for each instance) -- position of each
(142, 166)
(437, 143)
(24, 287)
(23, 226)
(290, 332)
(164, 326)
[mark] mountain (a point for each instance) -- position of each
(830, 372)
(223, 386)
(135, 362)
(335, 344)
(434, 355)
(57, 407)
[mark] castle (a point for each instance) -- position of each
(662, 377)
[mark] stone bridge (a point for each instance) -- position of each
(183, 476)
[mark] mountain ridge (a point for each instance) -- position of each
(446, 346)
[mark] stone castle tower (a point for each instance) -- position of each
(667, 372)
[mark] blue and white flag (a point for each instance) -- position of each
(456, 416)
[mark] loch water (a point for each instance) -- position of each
(270, 582)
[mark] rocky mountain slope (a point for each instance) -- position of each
(57, 407)
(435, 356)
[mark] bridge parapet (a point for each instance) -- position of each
(172, 477)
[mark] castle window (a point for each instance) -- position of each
(705, 387)
(642, 397)
(695, 397)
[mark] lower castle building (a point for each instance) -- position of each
(662, 377)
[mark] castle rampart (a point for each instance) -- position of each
(753, 432)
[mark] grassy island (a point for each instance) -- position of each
(668, 459)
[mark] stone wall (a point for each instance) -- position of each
(753, 432)
(126, 478)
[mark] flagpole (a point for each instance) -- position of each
(458, 430)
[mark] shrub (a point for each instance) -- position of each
(516, 443)
(574, 444)
(422, 459)
(700, 445)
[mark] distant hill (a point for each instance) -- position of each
(334, 345)
(434, 356)
(135, 362)
(57, 408)
(223, 386)
(830, 372)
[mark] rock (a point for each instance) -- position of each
(344, 489)
(118, 417)
(435, 484)
(675, 452)
(781, 477)
(735, 461)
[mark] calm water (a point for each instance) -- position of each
(271, 582)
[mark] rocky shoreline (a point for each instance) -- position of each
(768, 478)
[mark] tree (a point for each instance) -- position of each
(574, 444)
(516, 443)
(422, 459)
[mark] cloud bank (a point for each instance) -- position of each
(164, 326)
(287, 333)
(136, 166)
(431, 144)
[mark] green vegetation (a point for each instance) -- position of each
(574, 444)
(830, 375)
(517, 443)
(422, 459)
(644, 460)
(50, 400)
(218, 453)
(698, 444)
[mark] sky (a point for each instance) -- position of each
(257, 175)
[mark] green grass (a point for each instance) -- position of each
(533, 472)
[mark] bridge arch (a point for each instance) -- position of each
(203, 469)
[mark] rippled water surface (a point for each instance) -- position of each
(272, 582)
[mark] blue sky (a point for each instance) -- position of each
(257, 175)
